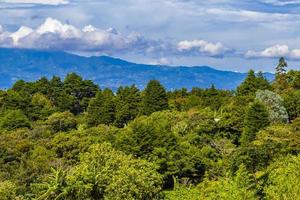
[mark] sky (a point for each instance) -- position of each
(235, 35)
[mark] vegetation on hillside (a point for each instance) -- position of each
(70, 139)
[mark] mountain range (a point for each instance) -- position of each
(30, 65)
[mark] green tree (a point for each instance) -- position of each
(101, 109)
(64, 121)
(154, 98)
(252, 83)
(14, 119)
(128, 102)
(103, 173)
(284, 179)
(280, 83)
(292, 104)
(40, 107)
(256, 118)
(81, 90)
(8, 190)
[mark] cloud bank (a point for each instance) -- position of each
(55, 35)
(42, 2)
(275, 52)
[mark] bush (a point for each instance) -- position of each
(64, 121)
(14, 119)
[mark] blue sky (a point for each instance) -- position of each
(226, 34)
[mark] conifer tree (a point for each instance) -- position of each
(128, 101)
(280, 83)
(101, 109)
(249, 85)
(256, 118)
(155, 98)
(252, 83)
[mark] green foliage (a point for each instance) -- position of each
(293, 79)
(69, 140)
(128, 103)
(101, 109)
(284, 179)
(103, 173)
(292, 104)
(80, 90)
(252, 83)
(61, 121)
(280, 84)
(154, 98)
(275, 106)
(41, 107)
(14, 119)
(256, 118)
(8, 190)
(239, 187)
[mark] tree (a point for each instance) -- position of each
(280, 83)
(14, 119)
(128, 102)
(40, 107)
(248, 86)
(101, 109)
(256, 118)
(64, 121)
(103, 173)
(292, 104)
(8, 190)
(252, 83)
(275, 106)
(293, 79)
(284, 179)
(154, 98)
(81, 90)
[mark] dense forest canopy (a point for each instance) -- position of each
(71, 139)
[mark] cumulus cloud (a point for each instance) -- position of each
(42, 2)
(201, 47)
(55, 35)
(275, 52)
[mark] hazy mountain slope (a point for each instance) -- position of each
(108, 72)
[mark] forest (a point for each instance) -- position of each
(71, 139)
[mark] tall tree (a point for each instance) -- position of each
(252, 83)
(256, 118)
(128, 103)
(280, 83)
(81, 90)
(248, 86)
(155, 98)
(101, 109)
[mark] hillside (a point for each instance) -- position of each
(109, 72)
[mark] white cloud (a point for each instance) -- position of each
(55, 35)
(271, 52)
(161, 61)
(201, 47)
(295, 54)
(43, 2)
(21, 33)
(275, 52)
(281, 2)
(56, 27)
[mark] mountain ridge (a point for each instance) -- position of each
(30, 65)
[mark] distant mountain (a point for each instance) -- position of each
(109, 72)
